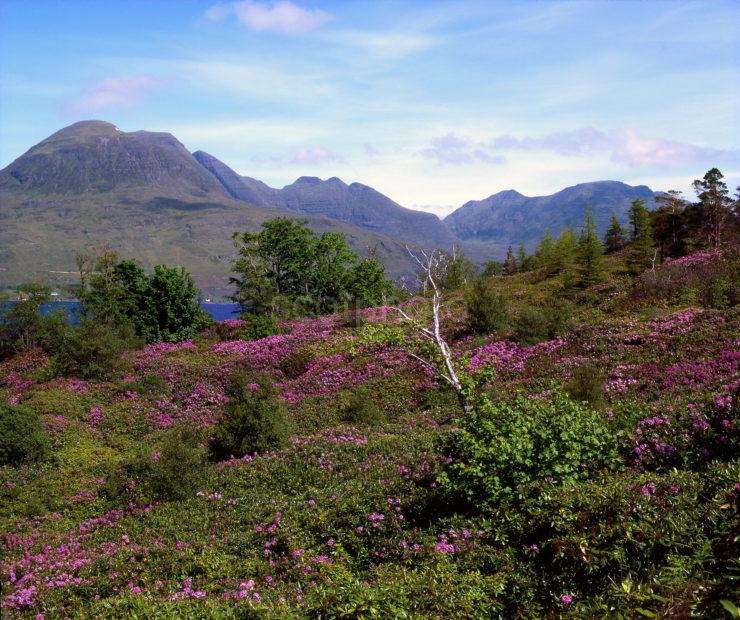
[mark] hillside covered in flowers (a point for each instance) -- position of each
(597, 476)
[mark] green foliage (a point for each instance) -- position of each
(544, 252)
(487, 310)
(170, 471)
(614, 237)
(148, 385)
(368, 283)
(586, 385)
(360, 407)
(255, 419)
(641, 253)
(162, 307)
(22, 436)
(454, 271)
(21, 324)
(590, 261)
(91, 349)
(503, 448)
(510, 264)
(260, 326)
(531, 325)
(378, 335)
(296, 363)
(715, 206)
(286, 270)
(492, 268)
(535, 324)
(167, 308)
(564, 254)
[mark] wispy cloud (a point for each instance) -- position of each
(283, 17)
(111, 92)
(456, 150)
(315, 155)
(625, 146)
(383, 44)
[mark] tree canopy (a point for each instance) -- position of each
(287, 269)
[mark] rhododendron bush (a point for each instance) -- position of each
(370, 491)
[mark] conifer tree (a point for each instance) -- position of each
(590, 260)
(614, 237)
(522, 258)
(510, 266)
(543, 253)
(563, 259)
(716, 205)
(563, 256)
(641, 253)
(637, 209)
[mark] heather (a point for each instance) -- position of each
(326, 471)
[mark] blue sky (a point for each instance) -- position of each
(432, 103)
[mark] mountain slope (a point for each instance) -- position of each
(95, 156)
(509, 217)
(142, 194)
(242, 188)
(356, 204)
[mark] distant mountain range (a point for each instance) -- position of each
(509, 217)
(143, 194)
(355, 204)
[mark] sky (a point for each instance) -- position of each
(431, 103)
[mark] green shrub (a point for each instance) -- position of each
(147, 385)
(586, 385)
(487, 311)
(171, 471)
(260, 326)
(535, 324)
(296, 363)
(255, 419)
(92, 350)
(22, 437)
(360, 407)
(531, 325)
(503, 448)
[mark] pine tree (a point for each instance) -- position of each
(614, 237)
(522, 259)
(590, 260)
(641, 253)
(563, 255)
(637, 208)
(543, 253)
(669, 226)
(510, 266)
(716, 204)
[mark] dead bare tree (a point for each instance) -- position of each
(432, 263)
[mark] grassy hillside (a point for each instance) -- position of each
(39, 239)
(355, 517)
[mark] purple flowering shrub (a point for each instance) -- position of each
(358, 507)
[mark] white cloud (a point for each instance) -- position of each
(315, 155)
(624, 147)
(283, 17)
(455, 150)
(383, 44)
(111, 92)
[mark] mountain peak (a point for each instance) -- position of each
(96, 156)
(510, 217)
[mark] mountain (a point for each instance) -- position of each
(356, 204)
(144, 195)
(509, 217)
(95, 156)
(239, 187)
